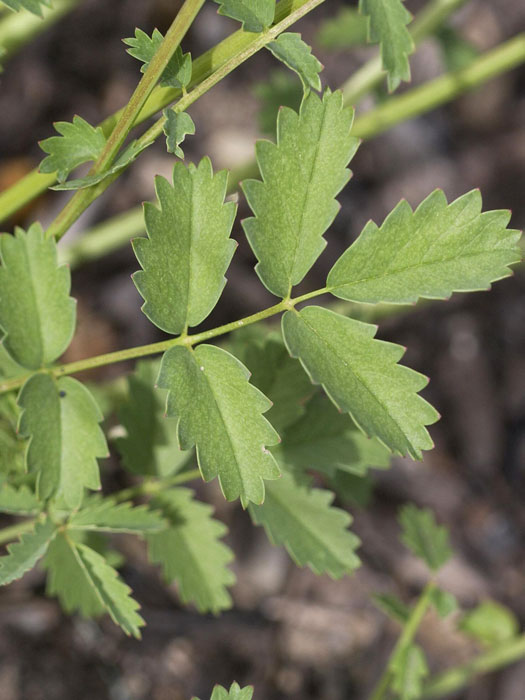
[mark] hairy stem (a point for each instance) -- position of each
(456, 678)
(156, 348)
(33, 184)
(407, 636)
(82, 198)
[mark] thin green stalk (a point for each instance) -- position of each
(82, 198)
(34, 183)
(366, 78)
(456, 678)
(405, 640)
(156, 348)
(150, 487)
(443, 89)
(17, 29)
(14, 531)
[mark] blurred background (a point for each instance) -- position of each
(293, 635)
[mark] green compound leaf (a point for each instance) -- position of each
(424, 537)
(387, 26)
(188, 249)
(24, 554)
(235, 693)
(436, 250)
(177, 73)
(409, 670)
(61, 419)
(490, 623)
(18, 501)
(34, 6)
(326, 440)
(104, 515)
(295, 203)
(302, 519)
(83, 581)
(297, 55)
(37, 315)
(362, 377)
(78, 143)
(255, 15)
(150, 446)
(176, 127)
(279, 378)
(190, 551)
(221, 413)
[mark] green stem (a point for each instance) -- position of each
(371, 73)
(405, 640)
(82, 198)
(34, 183)
(443, 89)
(150, 487)
(17, 29)
(456, 678)
(14, 531)
(156, 348)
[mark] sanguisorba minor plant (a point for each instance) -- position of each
(322, 397)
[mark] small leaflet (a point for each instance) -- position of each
(78, 143)
(176, 127)
(297, 55)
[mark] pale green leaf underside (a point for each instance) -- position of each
(188, 249)
(18, 501)
(387, 26)
(297, 55)
(191, 553)
(78, 143)
(424, 537)
(438, 249)
(176, 127)
(24, 554)
(491, 623)
(37, 315)
(235, 693)
(177, 73)
(294, 204)
(105, 515)
(83, 581)
(325, 440)
(409, 670)
(150, 446)
(362, 377)
(34, 6)
(255, 15)
(221, 413)
(279, 377)
(61, 419)
(313, 532)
